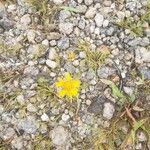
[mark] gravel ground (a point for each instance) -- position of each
(96, 41)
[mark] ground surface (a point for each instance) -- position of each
(105, 44)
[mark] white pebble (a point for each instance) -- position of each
(45, 117)
(51, 64)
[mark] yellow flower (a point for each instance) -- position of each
(67, 86)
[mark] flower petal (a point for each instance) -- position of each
(61, 93)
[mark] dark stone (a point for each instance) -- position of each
(96, 106)
(145, 71)
(6, 24)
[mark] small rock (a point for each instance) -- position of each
(51, 64)
(134, 42)
(58, 2)
(142, 55)
(99, 20)
(145, 71)
(88, 2)
(31, 108)
(108, 110)
(6, 24)
(1, 109)
(63, 15)
(145, 42)
(141, 136)
(7, 134)
(66, 28)
(105, 23)
(20, 99)
(45, 117)
(29, 125)
(45, 42)
(76, 63)
(31, 36)
(63, 43)
(65, 117)
(82, 55)
(81, 9)
(17, 143)
(96, 106)
(59, 136)
(90, 13)
(105, 72)
(52, 54)
(53, 36)
(25, 20)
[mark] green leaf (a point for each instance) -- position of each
(115, 90)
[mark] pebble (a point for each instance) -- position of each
(105, 23)
(52, 54)
(63, 43)
(45, 117)
(51, 64)
(90, 13)
(59, 136)
(88, 2)
(31, 36)
(99, 19)
(25, 20)
(65, 117)
(66, 28)
(108, 111)
(53, 36)
(31, 108)
(58, 2)
(7, 134)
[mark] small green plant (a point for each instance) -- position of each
(136, 26)
(9, 49)
(118, 94)
(107, 138)
(41, 142)
(93, 58)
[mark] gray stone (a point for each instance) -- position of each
(1, 109)
(51, 64)
(110, 31)
(31, 70)
(145, 41)
(81, 8)
(45, 117)
(63, 43)
(63, 15)
(53, 36)
(96, 106)
(69, 67)
(105, 23)
(99, 19)
(6, 24)
(142, 55)
(59, 136)
(88, 2)
(58, 2)
(7, 134)
(90, 13)
(108, 111)
(135, 42)
(31, 108)
(81, 24)
(17, 143)
(66, 28)
(145, 71)
(29, 125)
(52, 54)
(25, 20)
(105, 72)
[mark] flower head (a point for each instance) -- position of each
(67, 86)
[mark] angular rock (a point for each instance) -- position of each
(7, 134)
(63, 43)
(90, 13)
(51, 64)
(142, 55)
(108, 111)
(66, 28)
(105, 72)
(96, 106)
(53, 36)
(59, 136)
(99, 20)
